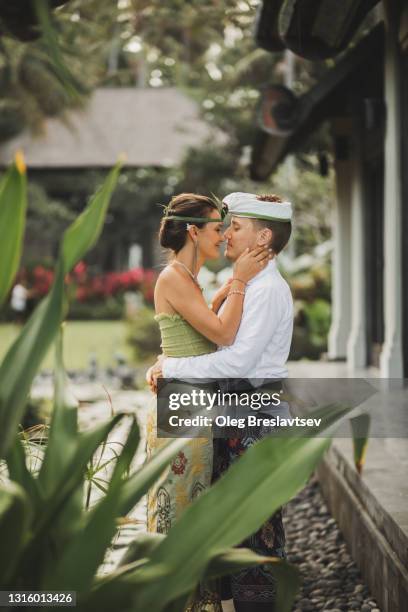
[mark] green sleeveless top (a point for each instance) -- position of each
(180, 339)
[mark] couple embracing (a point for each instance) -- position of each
(245, 334)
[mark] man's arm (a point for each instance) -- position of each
(262, 312)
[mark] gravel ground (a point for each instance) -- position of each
(330, 578)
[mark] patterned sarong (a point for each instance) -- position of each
(256, 584)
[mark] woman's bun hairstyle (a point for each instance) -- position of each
(172, 233)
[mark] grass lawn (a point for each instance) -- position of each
(81, 338)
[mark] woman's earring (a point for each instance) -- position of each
(195, 258)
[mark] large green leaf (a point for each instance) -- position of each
(62, 438)
(263, 479)
(75, 570)
(360, 427)
(141, 547)
(26, 354)
(24, 358)
(61, 447)
(122, 584)
(19, 473)
(158, 573)
(15, 513)
(83, 233)
(138, 484)
(13, 204)
(72, 475)
(43, 536)
(235, 559)
(96, 534)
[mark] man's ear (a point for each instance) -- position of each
(264, 237)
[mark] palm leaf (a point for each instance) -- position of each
(266, 476)
(75, 570)
(360, 427)
(15, 513)
(20, 474)
(13, 204)
(235, 559)
(62, 439)
(138, 484)
(26, 354)
(72, 85)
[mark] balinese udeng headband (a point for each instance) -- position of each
(222, 209)
(247, 205)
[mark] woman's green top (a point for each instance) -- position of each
(180, 339)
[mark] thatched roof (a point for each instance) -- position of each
(153, 127)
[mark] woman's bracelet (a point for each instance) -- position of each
(239, 280)
(237, 292)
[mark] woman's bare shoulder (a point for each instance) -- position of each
(171, 276)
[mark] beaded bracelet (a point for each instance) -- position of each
(237, 292)
(239, 280)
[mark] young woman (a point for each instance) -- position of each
(192, 231)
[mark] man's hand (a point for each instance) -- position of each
(155, 372)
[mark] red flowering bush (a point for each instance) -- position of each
(41, 281)
(85, 286)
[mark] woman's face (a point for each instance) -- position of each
(210, 237)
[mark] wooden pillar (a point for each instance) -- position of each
(404, 144)
(356, 344)
(341, 264)
(391, 355)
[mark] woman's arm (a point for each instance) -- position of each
(220, 296)
(187, 300)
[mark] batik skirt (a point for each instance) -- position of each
(255, 584)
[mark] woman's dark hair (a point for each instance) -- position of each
(172, 233)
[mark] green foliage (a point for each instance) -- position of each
(50, 73)
(311, 289)
(13, 203)
(51, 541)
(143, 334)
(312, 196)
(26, 354)
(36, 76)
(360, 428)
(318, 317)
(207, 51)
(111, 309)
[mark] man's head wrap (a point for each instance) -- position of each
(242, 204)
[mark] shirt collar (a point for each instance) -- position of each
(269, 268)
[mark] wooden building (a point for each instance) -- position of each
(152, 128)
(364, 97)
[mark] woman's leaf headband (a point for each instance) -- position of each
(221, 206)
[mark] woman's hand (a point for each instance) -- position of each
(251, 262)
(155, 372)
(220, 295)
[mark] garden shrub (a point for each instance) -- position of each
(144, 335)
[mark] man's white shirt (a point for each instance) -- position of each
(262, 344)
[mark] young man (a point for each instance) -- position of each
(260, 351)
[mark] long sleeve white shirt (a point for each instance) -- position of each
(262, 344)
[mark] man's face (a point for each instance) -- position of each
(241, 234)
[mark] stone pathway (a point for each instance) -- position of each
(331, 580)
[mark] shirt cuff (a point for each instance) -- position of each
(168, 367)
